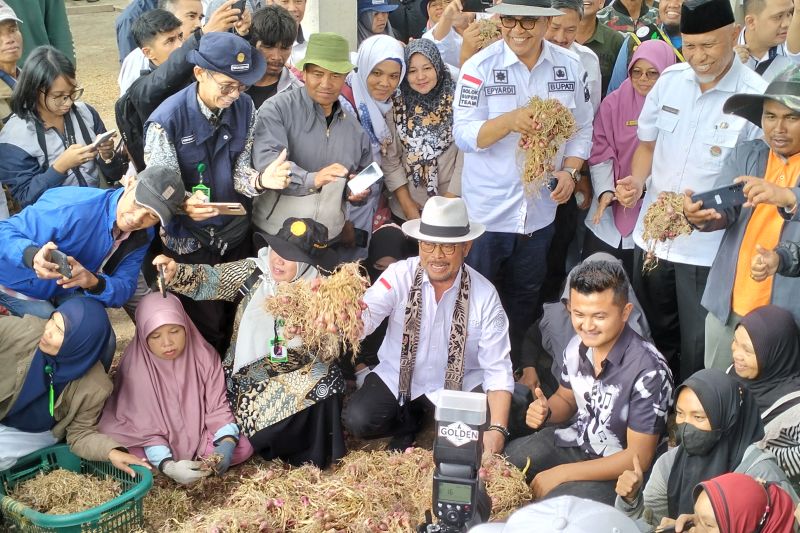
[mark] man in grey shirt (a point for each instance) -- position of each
(325, 146)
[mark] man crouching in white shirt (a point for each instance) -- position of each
(447, 329)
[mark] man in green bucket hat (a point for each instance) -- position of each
(326, 146)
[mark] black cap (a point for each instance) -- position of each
(160, 189)
(703, 16)
(301, 239)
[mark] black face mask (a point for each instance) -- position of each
(696, 441)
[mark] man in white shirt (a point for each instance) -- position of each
(446, 329)
(489, 115)
(684, 140)
(446, 22)
(762, 42)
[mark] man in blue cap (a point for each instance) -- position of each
(205, 132)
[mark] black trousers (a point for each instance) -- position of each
(213, 318)
(593, 244)
(373, 412)
(565, 223)
(670, 295)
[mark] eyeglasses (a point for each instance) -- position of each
(651, 75)
(527, 23)
(429, 247)
(63, 99)
(228, 88)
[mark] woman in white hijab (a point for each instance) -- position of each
(285, 400)
(367, 94)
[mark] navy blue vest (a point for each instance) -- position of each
(197, 141)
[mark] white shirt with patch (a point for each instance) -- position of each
(693, 138)
(486, 358)
(493, 82)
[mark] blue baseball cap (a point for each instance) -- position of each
(376, 5)
(230, 55)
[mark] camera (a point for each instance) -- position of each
(460, 500)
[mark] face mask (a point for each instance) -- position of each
(696, 441)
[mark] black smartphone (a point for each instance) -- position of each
(60, 258)
(162, 284)
(722, 197)
(476, 6)
(240, 5)
(361, 238)
(552, 183)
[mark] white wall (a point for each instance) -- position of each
(337, 16)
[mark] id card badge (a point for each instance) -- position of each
(278, 353)
(204, 189)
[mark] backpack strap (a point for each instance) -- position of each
(247, 286)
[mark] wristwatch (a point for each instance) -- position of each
(574, 172)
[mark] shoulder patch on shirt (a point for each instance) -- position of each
(500, 75)
(470, 85)
(559, 73)
(189, 139)
(561, 86)
(494, 90)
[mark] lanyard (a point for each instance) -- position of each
(11, 82)
(49, 371)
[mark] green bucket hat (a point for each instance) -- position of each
(784, 89)
(329, 51)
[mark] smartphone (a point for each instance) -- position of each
(475, 6)
(722, 197)
(240, 5)
(228, 208)
(162, 284)
(361, 238)
(552, 183)
(365, 178)
(60, 258)
(103, 137)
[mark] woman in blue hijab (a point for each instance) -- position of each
(53, 385)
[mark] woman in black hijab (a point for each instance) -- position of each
(766, 358)
(718, 424)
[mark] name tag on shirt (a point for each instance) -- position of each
(669, 109)
(632, 123)
(561, 86)
(494, 90)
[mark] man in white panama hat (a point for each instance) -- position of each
(447, 329)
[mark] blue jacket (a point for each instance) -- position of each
(79, 220)
(197, 141)
(124, 25)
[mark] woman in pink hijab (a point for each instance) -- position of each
(613, 143)
(169, 402)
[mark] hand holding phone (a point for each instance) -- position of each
(240, 5)
(103, 137)
(364, 179)
(60, 258)
(722, 198)
(476, 6)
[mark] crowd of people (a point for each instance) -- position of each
(661, 396)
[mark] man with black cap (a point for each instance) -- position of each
(684, 141)
(104, 234)
(447, 330)
(205, 132)
(769, 168)
(490, 113)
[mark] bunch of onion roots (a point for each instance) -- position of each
(65, 492)
(488, 32)
(366, 492)
(664, 221)
(325, 312)
(536, 152)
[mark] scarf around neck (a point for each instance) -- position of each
(456, 344)
(424, 122)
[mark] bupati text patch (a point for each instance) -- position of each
(561, 86)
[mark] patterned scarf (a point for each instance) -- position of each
(455, 345)
(425, 121)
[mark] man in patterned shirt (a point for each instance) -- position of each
(627, 16)
(613, 385)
